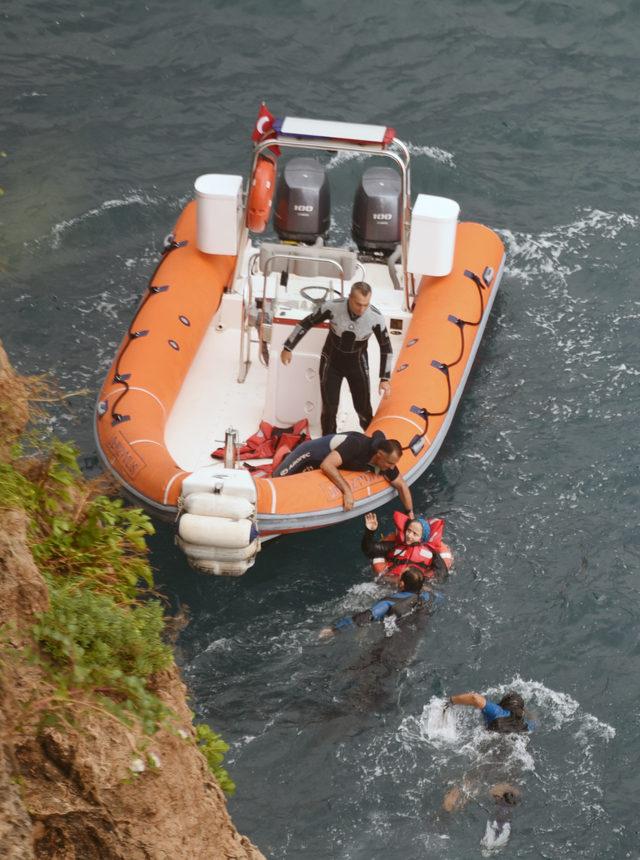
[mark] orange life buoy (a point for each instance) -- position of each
(261, 194)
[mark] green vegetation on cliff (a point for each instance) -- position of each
(99, 642)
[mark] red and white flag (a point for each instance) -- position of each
(264, 127)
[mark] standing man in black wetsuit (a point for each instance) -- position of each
(344, 355)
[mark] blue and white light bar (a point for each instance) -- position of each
(291, 126)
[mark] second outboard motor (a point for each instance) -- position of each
(377, 210)
(303, 201)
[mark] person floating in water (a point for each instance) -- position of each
(411, 597)
(505, 717)
(413, 544)
(353, 451)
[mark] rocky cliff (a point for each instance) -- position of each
(91, 786)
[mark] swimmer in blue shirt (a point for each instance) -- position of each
(506, 716)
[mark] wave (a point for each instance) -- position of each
(558, 251)
(451, 747)
(435, 153)
(133, 199)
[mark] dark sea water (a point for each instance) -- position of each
(527, 114)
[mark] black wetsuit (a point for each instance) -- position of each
(355, 449)
(344, 355)
(400, 604)
(373, 548)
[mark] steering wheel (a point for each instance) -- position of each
(326, 292)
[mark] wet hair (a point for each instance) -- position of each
(361, 287)
(511, 798)
(412, 578)
(514, 703)
(411, 522)
(390, 446)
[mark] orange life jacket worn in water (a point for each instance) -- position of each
(420, 555)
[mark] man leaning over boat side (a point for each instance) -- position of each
(344, 355)
(355, 452)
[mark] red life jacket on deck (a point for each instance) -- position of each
(401, 555)
(269, 441)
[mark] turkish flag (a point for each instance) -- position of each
(264, 127)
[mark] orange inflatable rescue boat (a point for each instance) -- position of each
(199, 365)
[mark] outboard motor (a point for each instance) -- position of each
(303, 201)
(377, 211)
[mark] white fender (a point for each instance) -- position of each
(221, 505)
(220, 568)
(218, 553)
(215, 531)
(219, 481)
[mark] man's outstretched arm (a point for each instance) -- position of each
(315, 318)
(404, 492)
(331, 468)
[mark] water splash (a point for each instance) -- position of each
(435, 153)
(135, 198)
(559, 251)
(450, 746)
(496, 836)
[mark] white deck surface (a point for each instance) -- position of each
(211, 399)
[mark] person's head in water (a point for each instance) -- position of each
(411, 579)
(359, 298)
(416, 531)
(413, 532)
(514, 703)
(387, 454)
(515, 722)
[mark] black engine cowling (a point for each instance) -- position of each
(303, 201)
(377, 210)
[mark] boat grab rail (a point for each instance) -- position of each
(277, 258)
(308, 261)
(245, 338)
(270, 266)
(400, 157)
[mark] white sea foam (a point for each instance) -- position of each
(342, 157)
(452, 747)
(557, 709)
(360, 596)
(495, 837)
(220, 645)
(435, 153)
(584, 346)
(134, 198)
(558, 251)
(440, 724)
(390, 625)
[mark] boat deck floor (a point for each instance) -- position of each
(212, 400)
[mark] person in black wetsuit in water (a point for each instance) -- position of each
(410, 597)
(344, 356)
(373, 676)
